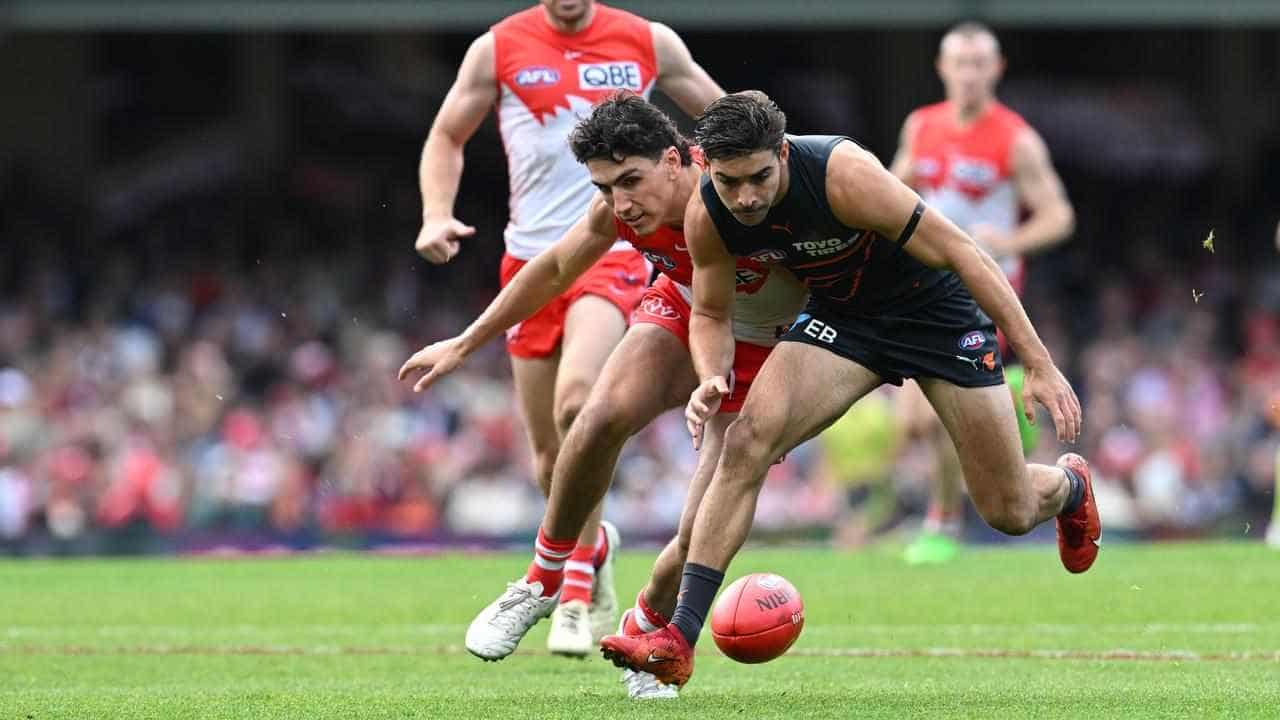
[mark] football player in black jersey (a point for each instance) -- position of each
(896, 291)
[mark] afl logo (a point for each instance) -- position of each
(661, 261)
(768, 256)
(769, 582)
(971, 340)
(539, 75)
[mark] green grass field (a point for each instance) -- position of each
(1151, 632)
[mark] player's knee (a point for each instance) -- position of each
(544, 462)
(1011, 516)
(566, 413)
(681, 541)
(747, 440)
(604, 420)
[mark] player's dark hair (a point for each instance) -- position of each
(740, 124)
(626, 124)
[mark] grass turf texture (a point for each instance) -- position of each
(998, 633)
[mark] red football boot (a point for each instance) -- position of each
(663, 653)
(1079, 532)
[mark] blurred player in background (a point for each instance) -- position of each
(894, 286)
(541, 69)
(646, 173)
(978, 163)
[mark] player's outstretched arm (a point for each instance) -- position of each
(547, 276)
(863, 194)
(680, 77)
(1051, 219)
(711, 322)
(474, 91)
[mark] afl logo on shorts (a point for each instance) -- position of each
(972, 340)
(539, 75)
(768, 256)
(609, 76)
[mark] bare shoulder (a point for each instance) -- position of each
(477, 64)
(909, 127)
(851, 167)
(1029, 148)
(665, 39)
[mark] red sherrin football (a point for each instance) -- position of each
(757, 618)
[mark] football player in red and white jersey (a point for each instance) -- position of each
(646, 173)
(982, 166)
(541, 69)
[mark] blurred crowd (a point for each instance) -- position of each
(156, 398)
(204, 350)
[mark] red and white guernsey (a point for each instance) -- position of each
(547, 81)
(966, 173)
(767, 301)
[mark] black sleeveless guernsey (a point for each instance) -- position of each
(848, 271)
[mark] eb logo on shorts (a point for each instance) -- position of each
(820, 331)
(609, 76)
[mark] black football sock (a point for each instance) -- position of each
(698, 587)
(1075, 492)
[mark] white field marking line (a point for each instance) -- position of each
(857, 653)
(1005, 653)
(437, 629)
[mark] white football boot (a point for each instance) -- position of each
(570, 631)
(604, 599)
(1273, 534)
(643, 685)
(497, 630)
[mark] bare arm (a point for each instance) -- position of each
(714, 280)
(1039, 189)
(680, 77)
(901, 166)
(550, 274)
(711, 322)
(474, 91)
(863, 194)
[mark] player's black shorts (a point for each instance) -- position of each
(949, 338)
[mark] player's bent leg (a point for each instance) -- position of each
(649, 372)
(593, 326)
(1011, 495)
(534, 380)
(800, 390)
(657, 600)
(664, 583)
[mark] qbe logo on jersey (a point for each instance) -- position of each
(609, 76)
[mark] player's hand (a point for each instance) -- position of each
(703, 403)
(1048, 387)
(435, 360)
(996, 242)
(438, 239)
